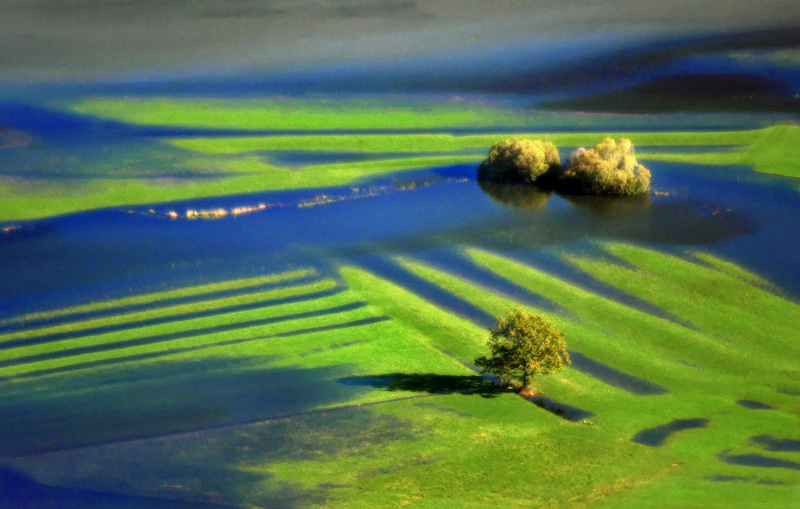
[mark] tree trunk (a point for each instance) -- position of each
(524, 378)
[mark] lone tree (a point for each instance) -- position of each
(523, 345)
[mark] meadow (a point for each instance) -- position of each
(350, 382)
(183, 167)
(300, 389)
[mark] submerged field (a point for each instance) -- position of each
(313, 345)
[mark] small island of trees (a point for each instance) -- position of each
(608, 169)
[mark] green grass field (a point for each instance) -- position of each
(312, 390)
(316, 114)
(241, 165)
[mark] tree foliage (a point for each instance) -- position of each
(515, 160)
(523, 345)
(610, 168)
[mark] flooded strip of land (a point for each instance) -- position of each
(754, 405)
(759, 461)
(615, 377)
(775, 444)
(563, 410)
(657, 436)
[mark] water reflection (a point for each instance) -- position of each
(667, 222)
(520, 196)
(610, 205)
(102, 254)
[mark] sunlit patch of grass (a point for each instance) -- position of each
(774, 150)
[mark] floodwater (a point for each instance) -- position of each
(427, 215)
(732, 211)
(655, 437)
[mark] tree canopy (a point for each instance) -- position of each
(515, 160)
(523, 345)
(610, 168)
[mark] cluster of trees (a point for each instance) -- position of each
(610, 168)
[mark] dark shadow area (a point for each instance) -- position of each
(757, 460)
(206, 466)
(611, 376)
(468, 385)
(690, 92)
(655, 437)
(754, 405)
(568, 412)
(126, 402)
(774, 444)
(21, 492)
(178, 317)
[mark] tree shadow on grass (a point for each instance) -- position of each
(468, 385)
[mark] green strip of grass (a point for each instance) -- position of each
(448, 142)
(49, 201)
(775, 151)
(731, 269)
(444, 330)
(358, 114)
(293, 114)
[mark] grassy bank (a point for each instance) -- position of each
(774, 151)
